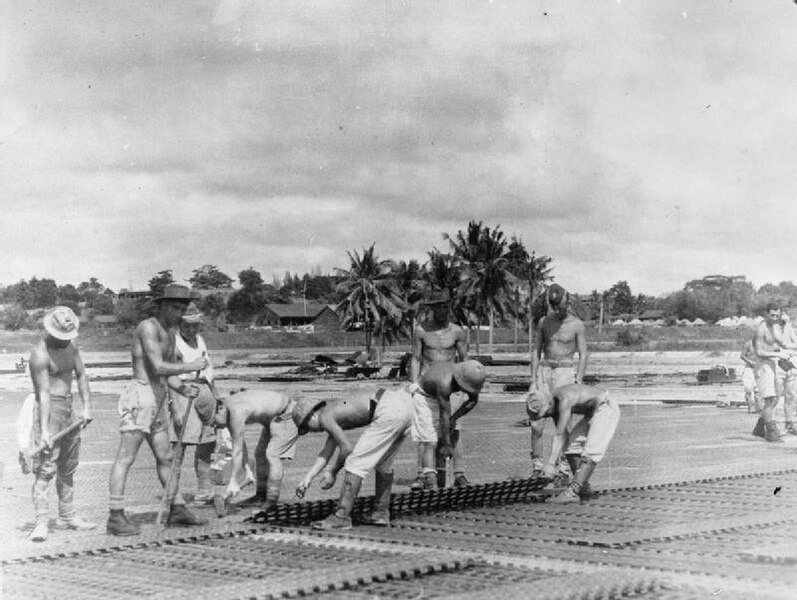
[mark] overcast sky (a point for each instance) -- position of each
(645, 141)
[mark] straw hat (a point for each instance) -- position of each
(61, 323)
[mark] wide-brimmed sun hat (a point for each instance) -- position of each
(61, 323)
(470, 376)
(303, 410)
(176, 293)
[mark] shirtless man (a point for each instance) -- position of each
(560, 335)
(439, 342)
(386, 416)
(600, 418)
(142, 408)
(789, 393)
(770, 378)
(750, 360)
(53, 362)
(272, 410)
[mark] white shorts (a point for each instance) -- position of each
(425, 418)
(382, 438)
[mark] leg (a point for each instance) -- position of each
(179, 515)
(458, 460)
(790, 402)
(64, 484)
(341, 518)
(202, 460)
(418, 483)
(129, 443)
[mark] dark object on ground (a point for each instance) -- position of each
(785, 364)
(718, 374)
(324, 359)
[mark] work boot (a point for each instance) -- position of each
(40, 532)
(380, 516)
(759, 430)
(585, 493)
(76, 523)
(119, 524)
(772, 433)
(341, 518)
(460, 480)
(204, 497)
(255, 501)
(418, 483)
(566, 496)
(430, 480)
(180, 516)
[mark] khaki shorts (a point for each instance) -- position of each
(140, 410)
(282, 436)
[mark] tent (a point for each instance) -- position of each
(636, 322)
(618, 322)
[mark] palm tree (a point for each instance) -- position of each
(408, 278)
(532, 272)
(486, 279)
(369, 293)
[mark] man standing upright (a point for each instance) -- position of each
(52, 364)
(560, 335)
(750, 360)
(439, 341)
(770, 378)
(142, 407)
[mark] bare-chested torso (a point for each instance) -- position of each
(442, 344)
(766, 340)
(580, 399)
(60, 366)
(143, 370)
(560, 338)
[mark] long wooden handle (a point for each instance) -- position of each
(177, 463)
(64, 432)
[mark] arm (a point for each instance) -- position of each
(39, 363)
(83, 387)
(465, 408)
(148, 335)
(535, 356)
(462, 345)
(321, 461)
(335, 432)
(559, 438)
(581, 345)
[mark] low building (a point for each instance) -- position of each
(321, 316)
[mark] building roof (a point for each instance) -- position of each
(651, 314)
(297, 309)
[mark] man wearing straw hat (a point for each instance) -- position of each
(142, 408)
(199, 427)
(440, 341)
(53, 362)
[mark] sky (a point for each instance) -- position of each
(641, 141)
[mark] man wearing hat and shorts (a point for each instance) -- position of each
(142, 408)
(53, 362)
(199, 427)
(560, 336)
(600, 416)
(274, 411)
(439, 341)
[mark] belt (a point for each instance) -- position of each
(374, 401)
(557, 364)
(58, 397)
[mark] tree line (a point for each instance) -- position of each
(492, 280)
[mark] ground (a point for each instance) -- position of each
(691, 506)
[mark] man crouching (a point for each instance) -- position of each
(601, 416)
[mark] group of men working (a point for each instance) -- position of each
(171, 401)
(768, 356)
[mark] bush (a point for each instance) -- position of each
(630, 337)
(15, 318)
